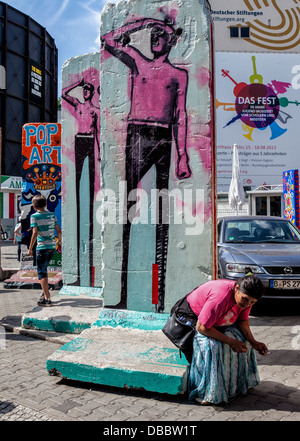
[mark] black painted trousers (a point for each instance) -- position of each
(147, 146)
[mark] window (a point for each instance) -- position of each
(267, 205)
(234, 32)
(239, 31)
(275, 205)
(261, 205)
(245, 32)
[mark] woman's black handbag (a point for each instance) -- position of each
(180, 329)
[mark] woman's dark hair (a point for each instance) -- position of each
(251, 285)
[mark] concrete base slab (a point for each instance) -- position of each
(69, 313)
(125, 358)
(148, 321)
(80, 290)
(118, 348)
(28, 279)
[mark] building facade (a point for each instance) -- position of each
(28, 84)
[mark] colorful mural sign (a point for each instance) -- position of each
(41, 174)
(291, 208)
(257, 107)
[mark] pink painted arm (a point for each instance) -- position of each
(65, 95)
(183, 170)
(115, 38)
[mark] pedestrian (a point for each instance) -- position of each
(18, 237)
(3, 233)
(223, 362)
(43, 224)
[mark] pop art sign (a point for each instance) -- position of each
(41, 174)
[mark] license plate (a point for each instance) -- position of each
(285, 284)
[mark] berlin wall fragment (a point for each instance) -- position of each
(157, 152)
(81, 171)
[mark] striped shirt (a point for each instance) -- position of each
(45, 222)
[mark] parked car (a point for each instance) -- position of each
(269, 245)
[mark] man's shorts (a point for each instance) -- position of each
(43, 258)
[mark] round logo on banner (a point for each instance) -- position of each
(257, 105)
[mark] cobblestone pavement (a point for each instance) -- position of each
(13, 412)
(9, 253)
(27, 392)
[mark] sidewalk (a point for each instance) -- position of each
(9, 255)
(27, 392)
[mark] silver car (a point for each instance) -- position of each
(269, 245)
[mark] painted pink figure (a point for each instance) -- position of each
(157, 116)
(86, 139)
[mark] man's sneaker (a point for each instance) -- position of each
(44, 302)
(42, 296)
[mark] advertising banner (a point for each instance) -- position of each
(36, 82)
(41, 174)
(11, 183)
(258, 108)
(256, 25)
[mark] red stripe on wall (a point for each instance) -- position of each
(155, 284)
(93, 276)
(11, 205)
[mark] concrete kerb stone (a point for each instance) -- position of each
(53, 337)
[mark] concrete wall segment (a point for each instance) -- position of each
(81, 170)
(123, 101)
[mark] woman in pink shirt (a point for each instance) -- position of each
(223, 362)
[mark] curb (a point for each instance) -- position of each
(51, 337)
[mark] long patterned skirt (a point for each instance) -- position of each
(217, 373)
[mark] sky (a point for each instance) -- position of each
(74, 24)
